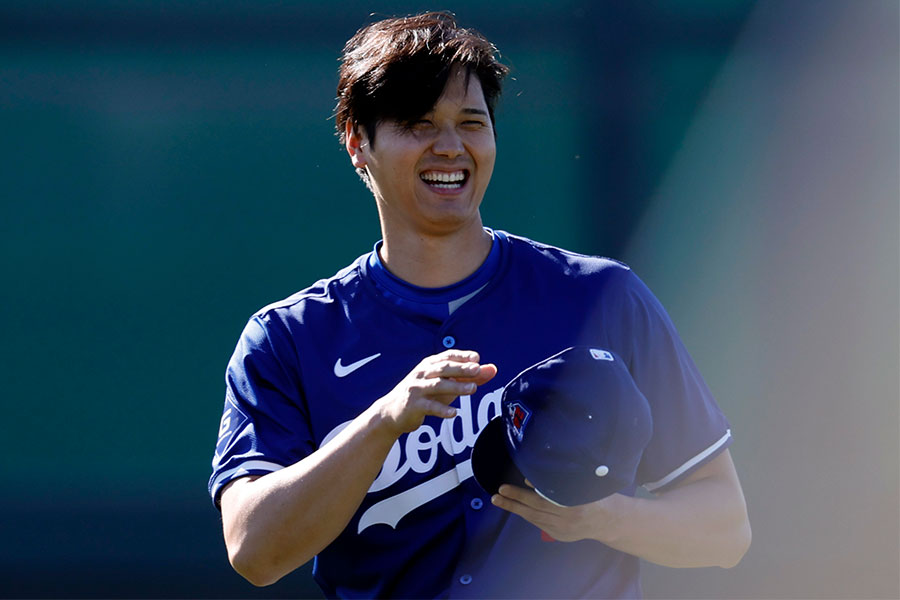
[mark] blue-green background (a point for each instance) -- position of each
(167, 167)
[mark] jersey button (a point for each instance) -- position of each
(449, 341)
(476, 503)
(465, 579)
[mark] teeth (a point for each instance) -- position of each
(440, 177)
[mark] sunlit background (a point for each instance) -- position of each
(167, 167)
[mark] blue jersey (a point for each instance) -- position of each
(306, 366)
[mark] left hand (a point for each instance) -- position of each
(564, 523)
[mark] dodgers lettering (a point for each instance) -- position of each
(424, 441)
(595, 301)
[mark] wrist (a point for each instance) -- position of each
(380, 424)
(611, 517)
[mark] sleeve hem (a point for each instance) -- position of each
(251, 467)
(691, 464)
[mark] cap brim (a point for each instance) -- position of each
(491, 463)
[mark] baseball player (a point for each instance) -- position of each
(351, 407)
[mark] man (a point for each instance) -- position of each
(352, 406)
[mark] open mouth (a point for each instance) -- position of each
(446, 181)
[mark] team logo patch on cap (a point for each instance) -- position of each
(574, 425)
(518, 416)
(601, 354)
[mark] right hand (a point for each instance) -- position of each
(430, 388)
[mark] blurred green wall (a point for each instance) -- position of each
(170, 167)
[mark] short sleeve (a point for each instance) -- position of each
(689, 429)
(264, 425)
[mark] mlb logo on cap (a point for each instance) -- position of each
(575, 425)
(598, 354)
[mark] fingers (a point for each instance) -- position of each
(435, 398)
(456, 379)
(437, 408)
(527, 504)
(455, 369)
(485, 374)
(518, 504)
(462, 365)
(527, 497)
(432, 386)
(447, 389)
(456, 356)
(479, 375)
(444, 377)
(562, 523)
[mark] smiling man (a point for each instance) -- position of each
(429, 174)
(352, 406)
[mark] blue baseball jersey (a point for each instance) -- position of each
(306, 366)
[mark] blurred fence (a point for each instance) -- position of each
(169, 167)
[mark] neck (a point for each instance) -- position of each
(435, 261)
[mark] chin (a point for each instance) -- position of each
(448, 224)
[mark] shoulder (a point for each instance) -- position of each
(546, 257)
(614, 292)
(276, 324)
(338, 288)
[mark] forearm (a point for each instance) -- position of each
(700, 524)
(278, 522)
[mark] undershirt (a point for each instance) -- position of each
(433, 303)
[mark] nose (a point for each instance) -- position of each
(448, 143)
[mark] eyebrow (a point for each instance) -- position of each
(474, 111)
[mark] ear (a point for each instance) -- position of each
(357, 144)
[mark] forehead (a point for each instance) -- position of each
(462, 91)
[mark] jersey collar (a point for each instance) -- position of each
(435, 303)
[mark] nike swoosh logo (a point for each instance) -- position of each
(344, 370)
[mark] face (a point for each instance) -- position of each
(429, 177)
